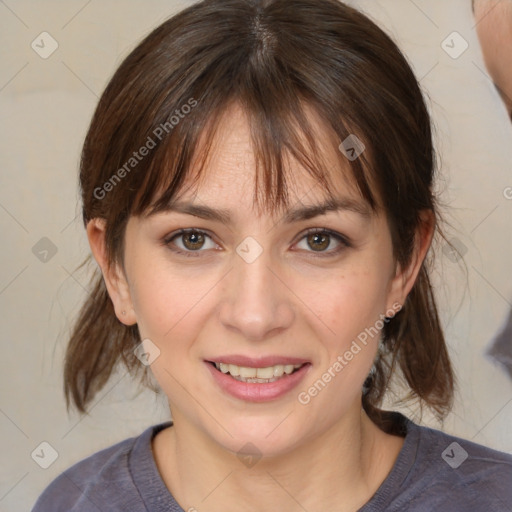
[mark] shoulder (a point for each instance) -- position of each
(103, 477)
(459, 474)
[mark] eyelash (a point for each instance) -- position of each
(344, 242)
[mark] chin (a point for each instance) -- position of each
(268, 435)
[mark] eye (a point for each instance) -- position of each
(319, 240)
(188, 241)
(316, 240)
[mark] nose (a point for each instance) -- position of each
(257, 303)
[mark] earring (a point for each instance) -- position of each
(123, 312)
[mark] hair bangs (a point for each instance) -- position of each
(285, 141)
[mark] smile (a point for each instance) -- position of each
(257, 375)
(261, 382)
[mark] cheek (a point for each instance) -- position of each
(353, 310)
(350, 307)
(165, 300)
(171, 310)
(348, 302)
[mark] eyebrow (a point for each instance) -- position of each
(294, 215)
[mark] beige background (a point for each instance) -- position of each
(46, 105)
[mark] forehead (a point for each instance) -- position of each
(230, 171)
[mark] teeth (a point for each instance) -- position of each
(247, 374)
(265, 373)
(278, 370)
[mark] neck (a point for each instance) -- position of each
(340, 469)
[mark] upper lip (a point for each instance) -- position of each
(257, 362)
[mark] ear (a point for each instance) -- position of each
(405, 277)
(113, 275)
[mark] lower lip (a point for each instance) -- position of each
(255, 392)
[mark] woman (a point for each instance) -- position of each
(257, 191)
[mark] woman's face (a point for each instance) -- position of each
(259, 291)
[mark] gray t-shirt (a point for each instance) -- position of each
(433, 472)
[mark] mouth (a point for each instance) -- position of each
(257, 380)
(262, 375)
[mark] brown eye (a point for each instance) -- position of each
(319, 241)
(190, 241)
(324, 242)
(193, 240)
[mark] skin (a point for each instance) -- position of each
(326, 455)
(494, 28)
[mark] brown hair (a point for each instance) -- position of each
(275, 58)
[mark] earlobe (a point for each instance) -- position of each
(406, 277)
(113, 274)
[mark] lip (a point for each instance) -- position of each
(257, 362)
(253, 391)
